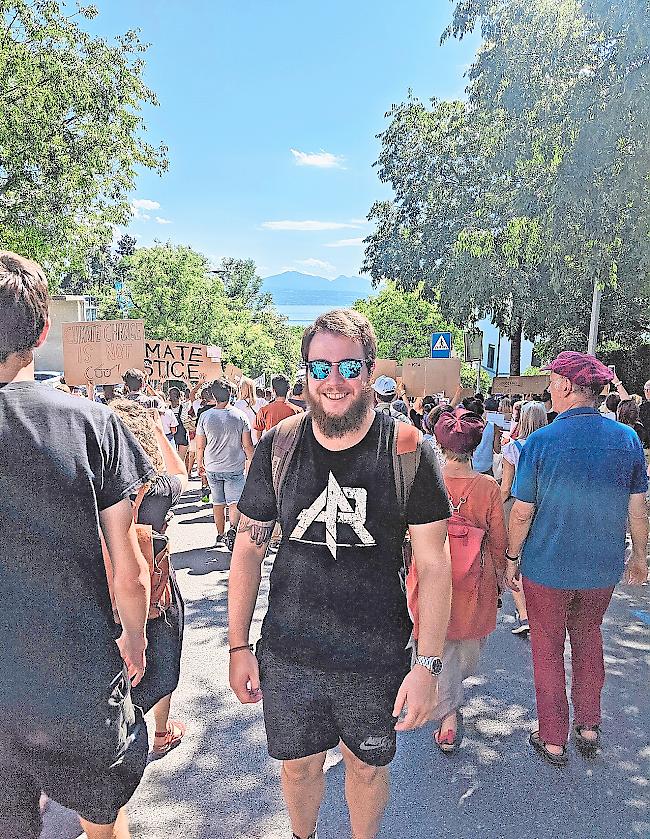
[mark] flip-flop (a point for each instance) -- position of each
(586, 747)
(449, 742)
(170, 738)
(549, 757)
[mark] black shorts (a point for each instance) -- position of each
(96, 793)
(308, 711)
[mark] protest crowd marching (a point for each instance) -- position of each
(396, 527)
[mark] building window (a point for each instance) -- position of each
(490, 356)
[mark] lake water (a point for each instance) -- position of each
(303, 308)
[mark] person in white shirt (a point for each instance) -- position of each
(169, 423)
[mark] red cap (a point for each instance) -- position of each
(459, 430)
(581, 368)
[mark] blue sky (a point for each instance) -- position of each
(241, 84)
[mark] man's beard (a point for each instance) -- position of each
(331, 425)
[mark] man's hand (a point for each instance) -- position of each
(132, 649)
(245, 677)
(200, 470)
(637, 571)
(512, 576)
(419, 691)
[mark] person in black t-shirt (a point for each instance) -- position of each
(67, 467)
(332, 660)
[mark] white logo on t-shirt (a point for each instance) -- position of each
(333, 507)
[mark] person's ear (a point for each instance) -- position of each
(43, 336)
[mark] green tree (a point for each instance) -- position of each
(180, 299)
(404, 322)
(71, 133)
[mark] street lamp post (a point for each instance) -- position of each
(595, 317)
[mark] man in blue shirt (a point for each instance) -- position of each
(579, 481)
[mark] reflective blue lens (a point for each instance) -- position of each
(349, 368)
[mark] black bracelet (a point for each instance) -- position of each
(511, 558)
(243, 647)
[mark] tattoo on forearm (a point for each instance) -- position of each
(260, 532)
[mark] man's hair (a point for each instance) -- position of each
(546, 396)
(612, 401)
(627, 411)
(298, 388)
(280, 385)
(221, 390)
(176, 390)
(259, 392)
(474, 405)
(23, 304)
(133, 379)
(344, 322)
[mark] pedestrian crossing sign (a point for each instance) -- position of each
(441, 345)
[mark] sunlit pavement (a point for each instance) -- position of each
(220, 783)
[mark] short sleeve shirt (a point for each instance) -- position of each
(62, 461)
(223, 429)
(335, 601)
(579, 473)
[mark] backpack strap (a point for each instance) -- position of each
(463, 498)
(407, 449)
(288, 433)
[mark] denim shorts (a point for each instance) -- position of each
(226, 487)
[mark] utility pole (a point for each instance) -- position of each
(595, 317)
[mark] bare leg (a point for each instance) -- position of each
(303, 783)
(118, 830)
(367, 789)
(520, 604)
(233, 515)
(189, 461)
(182, 452)
(161, 712)
(219, 518)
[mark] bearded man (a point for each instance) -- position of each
(331, 662)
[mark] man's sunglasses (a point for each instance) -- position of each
(349, 368)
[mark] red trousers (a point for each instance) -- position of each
(551, 612)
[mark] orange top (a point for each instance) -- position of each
(474, 613)
(270, 415)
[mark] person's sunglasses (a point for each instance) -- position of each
(349, 368)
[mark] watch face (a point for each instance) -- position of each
(436, 666)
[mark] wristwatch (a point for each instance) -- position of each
(430, 663)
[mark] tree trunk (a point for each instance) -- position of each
(515, 351)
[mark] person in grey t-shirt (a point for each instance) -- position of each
(223, 450)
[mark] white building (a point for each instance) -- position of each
(496, 350)
(64, 308)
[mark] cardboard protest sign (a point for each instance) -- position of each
(233, 374)
(424, 376)
(520, 384)
(384, 367)
(183, 362)
(100, 351)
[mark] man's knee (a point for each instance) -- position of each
(362, 772)
(304, 769)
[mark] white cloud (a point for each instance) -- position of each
(160, 220)
(346, 243)
(306, 225)
(319, 160)
(358, 221)
(325, 268)
(140, 204)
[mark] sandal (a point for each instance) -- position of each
(169, 739)
(586, 746)
(450, 741)
(549, 757)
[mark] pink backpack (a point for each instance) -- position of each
(466, 547)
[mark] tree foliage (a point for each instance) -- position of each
(404, 322)
(71, 133)
(516, 202)
(180, 299)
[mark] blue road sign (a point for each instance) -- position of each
(441, 345)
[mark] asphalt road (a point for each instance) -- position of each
(220, 783)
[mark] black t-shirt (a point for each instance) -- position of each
(162, 495)
(335, 600)
(550, 416)
(62, 460)
(644, 417)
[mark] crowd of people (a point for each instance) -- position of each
(397, 526)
